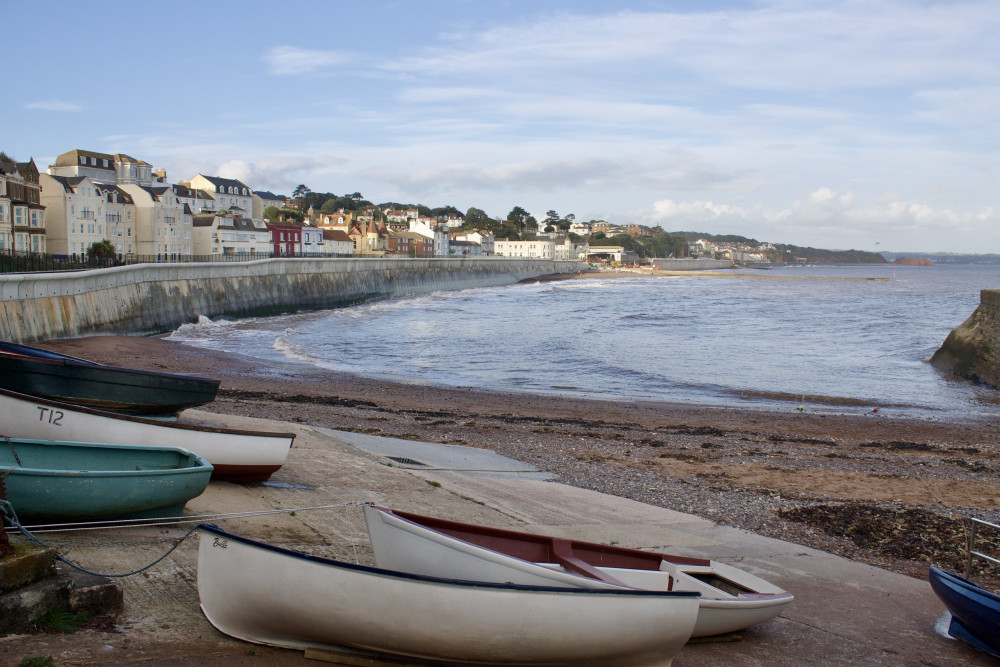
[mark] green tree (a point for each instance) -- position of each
(102, 252)
(300, 192)
(518, 217)
(271, 213)
(475, 218)
(551, 218)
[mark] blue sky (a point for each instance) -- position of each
(867, 125)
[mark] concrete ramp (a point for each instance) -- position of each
(416, 455)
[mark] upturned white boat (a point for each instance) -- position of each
(270, 595)
(731, 599)
(236, 455)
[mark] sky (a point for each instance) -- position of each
(842, 125)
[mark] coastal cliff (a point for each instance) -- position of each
(972, 350)
(153, 298)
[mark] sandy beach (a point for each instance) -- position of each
(862, 484)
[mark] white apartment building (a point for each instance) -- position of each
(81, 212)
(337, 242)
(543, 248)
(229, 193)
(485, 241)
(228, 234)
(104, 168)
(163, 228)
(431, 229)
(312, 241)
(199, 201)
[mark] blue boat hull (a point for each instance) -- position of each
(975, 612)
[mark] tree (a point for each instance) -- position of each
(300, 192)
(475, 217)
(518, 217)
(102, 252)
(551, 218)
(272, 213)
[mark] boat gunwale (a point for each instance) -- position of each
(59, 359)
(200, 464)
(587, 553)
(204, 428)
(464, 583)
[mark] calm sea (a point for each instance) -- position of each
(831, 339)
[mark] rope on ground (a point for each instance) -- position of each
(8, 515)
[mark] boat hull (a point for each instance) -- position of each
(37, 372)
(50, 481)
(270, 595)
(975, 612)
(436, 547)
(237, 455)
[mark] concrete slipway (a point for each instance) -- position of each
(845, 613)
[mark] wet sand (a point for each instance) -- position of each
(865, 485)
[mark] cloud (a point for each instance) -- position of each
(293, 61)
(54, 105)
(281, 174)
(831, 215)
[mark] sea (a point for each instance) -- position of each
(825, 339)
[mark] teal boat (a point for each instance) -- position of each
(54, 481)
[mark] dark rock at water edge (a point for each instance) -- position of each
(972, 350)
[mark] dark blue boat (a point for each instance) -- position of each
(59, 377)
(975, 612)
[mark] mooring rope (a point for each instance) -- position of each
(7, 513)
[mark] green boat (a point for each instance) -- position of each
(53, 481)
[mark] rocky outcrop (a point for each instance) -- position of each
(972, 350)
(913, 261)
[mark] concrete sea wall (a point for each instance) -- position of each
(153, 298)
(972, 349)
(690, 264)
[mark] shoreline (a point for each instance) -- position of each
(886, 491)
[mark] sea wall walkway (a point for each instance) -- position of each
(152, 298)
(972, 349)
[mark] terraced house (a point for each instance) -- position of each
(22, 215)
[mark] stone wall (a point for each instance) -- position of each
(153, 298)
(972, 350)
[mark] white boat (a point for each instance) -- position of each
(269, 595)
(731, 599)
(236, 455)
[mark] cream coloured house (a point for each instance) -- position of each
(542, 248)
(229, 194)
(162, 226)
(81, 212)
(262, 200)
(217, 234)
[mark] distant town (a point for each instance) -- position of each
(91, 207)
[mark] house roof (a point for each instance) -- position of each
(72, 158)
(269, 196)
(225, 183)
(336, 235)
